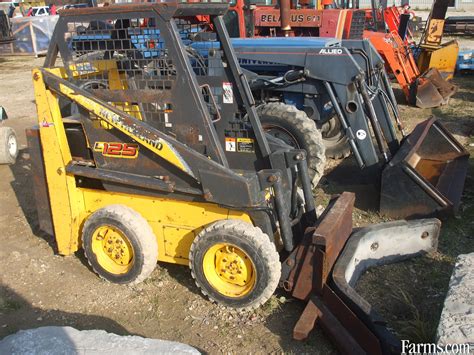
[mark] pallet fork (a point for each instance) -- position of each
(329, 262)
(142, 157)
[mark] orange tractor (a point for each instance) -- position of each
(422, 79)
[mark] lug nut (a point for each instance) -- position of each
(299, 156)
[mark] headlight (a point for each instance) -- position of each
(467, 56)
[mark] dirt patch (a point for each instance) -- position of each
(38, 287)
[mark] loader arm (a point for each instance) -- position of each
(348, 90)
(425, 90)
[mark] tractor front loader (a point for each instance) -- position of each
(148, 151)
(423, 89)
(423, 81)
(421, 174)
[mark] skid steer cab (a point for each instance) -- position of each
(148, 151)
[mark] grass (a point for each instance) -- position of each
(272, 305)
(410, 295)
(420, 327)
(7, 305)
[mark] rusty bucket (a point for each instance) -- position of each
(426, 176)
(432, 90)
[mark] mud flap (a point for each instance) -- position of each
(431, 90)
(377, 245)
(426, 176)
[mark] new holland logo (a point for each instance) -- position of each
(330, 51)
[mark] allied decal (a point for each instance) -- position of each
(333, 51)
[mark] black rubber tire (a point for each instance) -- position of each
(337, 144)
(338, 148)
(8, 152)
(256, 244)
(138, 233)
(277, 115)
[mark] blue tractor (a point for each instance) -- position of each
(465, 62)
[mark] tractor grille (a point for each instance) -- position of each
(357, 25)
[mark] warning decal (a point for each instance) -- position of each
(228, 96)
(245, 145)
(230, 144)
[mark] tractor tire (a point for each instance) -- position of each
(296, 129)
(334, 139)
(8, 145)
(120, 245)
(235, 264)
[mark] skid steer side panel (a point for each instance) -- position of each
(427, 174)
(65, 200)
(378, 245)
(175, 223)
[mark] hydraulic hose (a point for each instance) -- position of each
(373, 118)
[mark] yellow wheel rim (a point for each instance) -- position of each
(229, 270)
(112, 249)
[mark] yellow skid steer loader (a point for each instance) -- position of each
(147, 151)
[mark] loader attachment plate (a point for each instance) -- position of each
(378, 245)
(426, 176)
(432, 90)
(328, 263)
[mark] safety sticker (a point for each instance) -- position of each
(228, 97)
(245, 145)
(230, 145)
(361, 134)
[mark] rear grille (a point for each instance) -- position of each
(357, 25)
